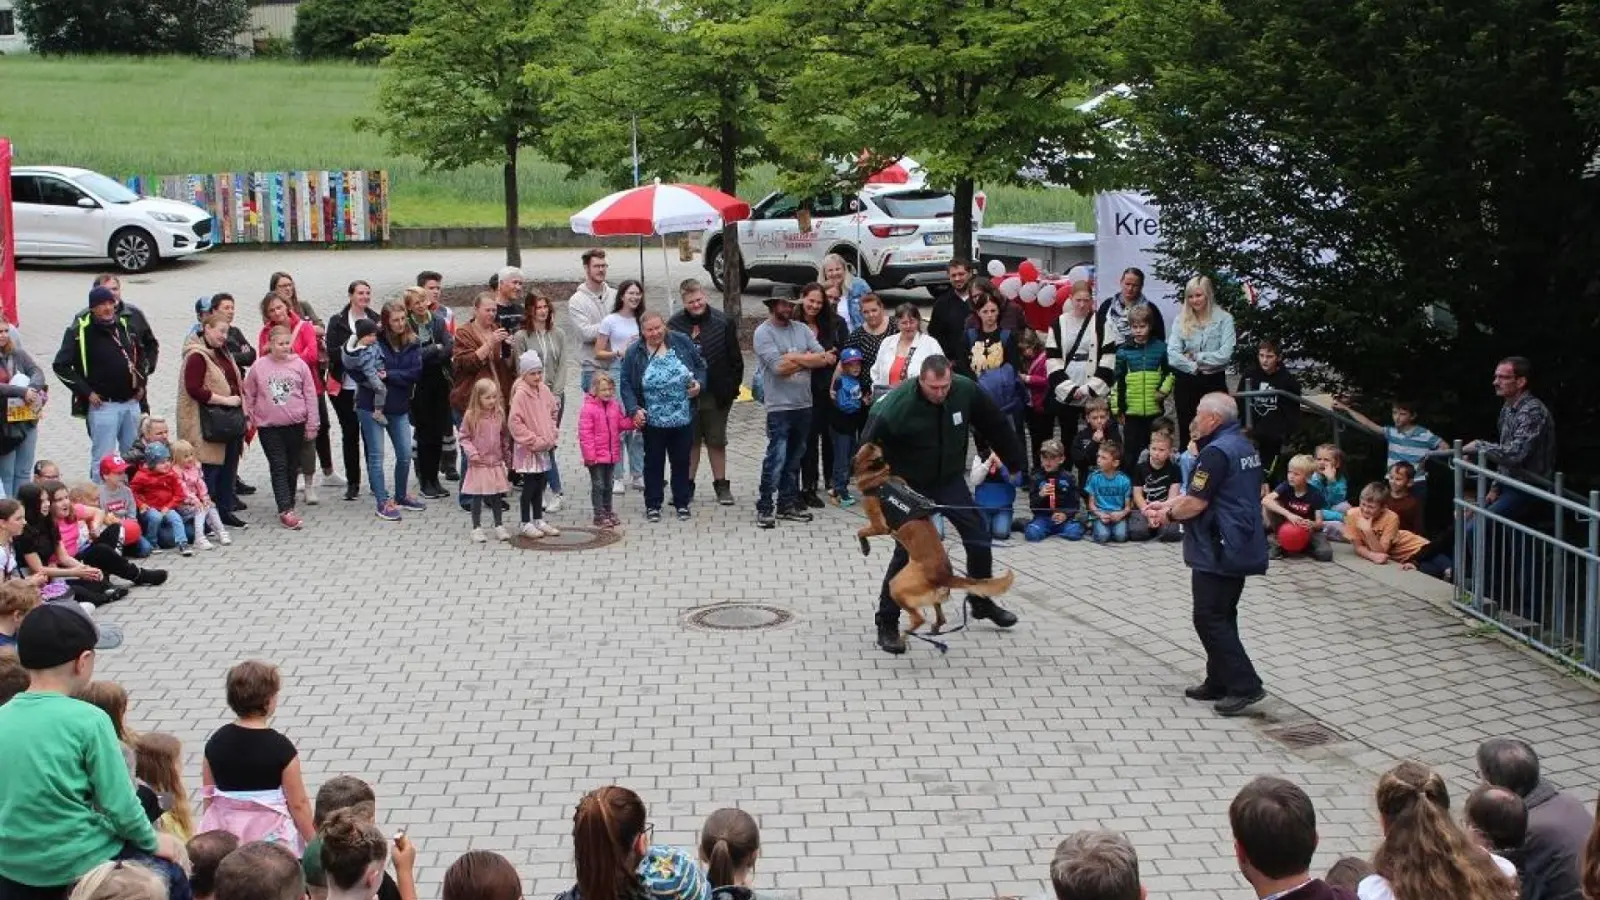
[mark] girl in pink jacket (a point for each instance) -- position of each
(482, 437)
(600, 428)
(533, 441)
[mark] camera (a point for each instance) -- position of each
(509, 318)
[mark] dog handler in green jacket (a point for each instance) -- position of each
(923, 428)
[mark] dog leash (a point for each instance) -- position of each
(932, 639)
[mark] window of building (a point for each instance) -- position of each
(8, 23)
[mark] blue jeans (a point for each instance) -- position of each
(177, 883)
(171, 522)
(399, 430)
(661, 446)
(780, 468)
(1115, 533)
(1042, 527)
(112, 429)
(844, 451)
(221, 478)
(16, 467)
(999, 522)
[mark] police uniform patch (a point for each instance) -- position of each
(1198, 481)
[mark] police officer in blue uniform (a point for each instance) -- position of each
(1223, 543)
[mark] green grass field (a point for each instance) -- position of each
(175, 116)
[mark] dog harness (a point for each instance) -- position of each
(901, 504)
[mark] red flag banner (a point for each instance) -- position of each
(8, 240)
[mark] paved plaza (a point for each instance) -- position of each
(483, 689)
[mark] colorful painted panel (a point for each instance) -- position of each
(283, 207)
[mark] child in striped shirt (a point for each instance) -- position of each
(1408, 442)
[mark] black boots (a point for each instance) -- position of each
(150, 577)
(984, 608)
(890, 639)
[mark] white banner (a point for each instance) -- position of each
(1127, 228)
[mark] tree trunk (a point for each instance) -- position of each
(732, 259)
(513, 227)
(961, 222)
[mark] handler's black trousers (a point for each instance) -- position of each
(974, 537)
(1216, 621)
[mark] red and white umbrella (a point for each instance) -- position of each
(660, 209)
(902, 171)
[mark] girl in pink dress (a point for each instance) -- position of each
(482, 438)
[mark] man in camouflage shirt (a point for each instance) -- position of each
(1527, 443)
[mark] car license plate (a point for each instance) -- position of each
(938, 237)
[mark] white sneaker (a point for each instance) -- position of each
(332, 479)
(621, 487)
(478, 536)
(500, 533)
(638, 482)
(530, 530)
(202, 543)
(553, 505)
(224, 540)
(310, 495)
(546, 528)
(88, 608)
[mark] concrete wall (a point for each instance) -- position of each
(14, 42)
(275, 20)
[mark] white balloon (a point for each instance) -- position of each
(1011, 288)
(996, 268)
(1047, 295)
(1078, 273)
(1030, 292)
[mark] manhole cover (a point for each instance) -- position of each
(739, 617)
(1305, 734)
(570, 538)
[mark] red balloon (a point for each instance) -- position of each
(1293, 538)
(1028, 272)
(131, 532)
(1040, 316)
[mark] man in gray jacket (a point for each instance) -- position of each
(1558, 825)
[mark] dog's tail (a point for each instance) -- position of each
(985, 587)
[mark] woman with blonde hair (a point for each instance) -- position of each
(1424, 854)
(840, 280)
(1199, 351)
(119, 880)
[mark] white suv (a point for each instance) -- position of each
(894, 236)
(59, 211)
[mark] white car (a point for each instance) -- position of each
(893, 235)
(60, 211)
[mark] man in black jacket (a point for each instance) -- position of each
(1558, 824)
(717, 338)
(100, 362)
(138, 327)
(922, 427)
(947, 323)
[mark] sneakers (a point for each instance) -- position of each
(242, 489)
(412, 503)
(553, 504)
(233, 521)
(601, 520)
(351, 492)
(150, 577)
(810, 499)
(434, 491)
(794, 514)
(683, 514)
(652, 515)
(765, 520)
(224, 540)
(185, 550)
(501, 534)
(332, 479)
(289, 520)
(546, 529)
(309, 494)
(637, 483)
(1274, 550)
(724, 492)
(530, 531)
(621, 487)
(450, 474)
(846, 499)
(202, 543)
(389, 512)
(478, 537)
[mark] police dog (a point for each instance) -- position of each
(927, 579)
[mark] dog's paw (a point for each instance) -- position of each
(866, 548)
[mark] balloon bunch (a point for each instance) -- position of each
(1041, 295)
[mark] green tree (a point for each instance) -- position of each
(690, 72)
(340, 29)
(133, 27)
(1415, 177)
(473, 82)
(974, 91)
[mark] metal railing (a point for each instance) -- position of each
(1526, 558)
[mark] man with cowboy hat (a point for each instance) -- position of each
(786, 352)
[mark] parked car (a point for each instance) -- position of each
(60, 211)
(894, 236)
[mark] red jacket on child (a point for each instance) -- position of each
(157, 490)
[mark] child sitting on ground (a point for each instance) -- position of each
(1295, 502)
(1053, 499)
(996, 499)
(847, 415)
(1408, 442)
(1097, 428)
(206, 852)
(730, 844)
(364, 363)
(158, 762)
(152, 430)
(1400, 500)
(1376, 532)
(480, 875)
(1110, 496)
(18, 597)
(118, 503)
(1157, 479)
(159, 490)
(13, 678)
(1330, 482)
(348, 793)
(67, 803)
(197, 503)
